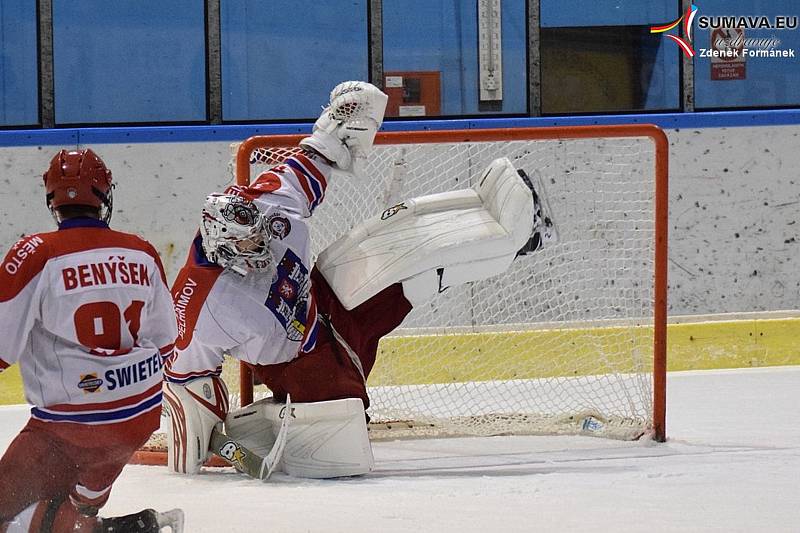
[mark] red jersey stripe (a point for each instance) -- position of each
(28, 257)
(314, 170)
(304, 184)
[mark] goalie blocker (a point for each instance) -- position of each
(194, 410)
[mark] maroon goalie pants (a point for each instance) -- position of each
(347, 345)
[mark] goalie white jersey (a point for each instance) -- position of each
(256, 318)
(86, 314)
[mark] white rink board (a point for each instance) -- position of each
(734, 197)
(730, 465)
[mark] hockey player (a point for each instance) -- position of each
(249, 289)
(86, 313)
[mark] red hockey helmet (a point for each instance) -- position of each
(79, 177)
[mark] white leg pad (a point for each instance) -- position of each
(422, 287)
(325, 440)
(194, 409)
(469, 234)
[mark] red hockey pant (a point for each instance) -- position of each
(40, 465)
(328, 372)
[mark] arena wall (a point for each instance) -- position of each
(734, 208)
(734, 230)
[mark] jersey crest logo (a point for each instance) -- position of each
(392, 211)
(289, 295)
(90, 383)
(278, 226)
(287, 290)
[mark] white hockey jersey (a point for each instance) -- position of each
(86, 313)
(254, 318)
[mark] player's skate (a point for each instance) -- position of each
(544, 229)
(146, 521)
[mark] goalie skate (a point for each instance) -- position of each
(544, 229)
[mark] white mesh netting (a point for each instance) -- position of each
(561, 343)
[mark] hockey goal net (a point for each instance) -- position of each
(572, 338)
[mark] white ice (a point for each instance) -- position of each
(731, 463)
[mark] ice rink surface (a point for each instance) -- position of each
(732, 463)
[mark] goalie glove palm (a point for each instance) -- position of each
(346, 129)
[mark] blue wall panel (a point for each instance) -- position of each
(18, 63)
(227, 133)
(571, 13)
(662, 84)
(281, 58)
(768, 81)
(442, 35)
(131, 61)
(140, 61)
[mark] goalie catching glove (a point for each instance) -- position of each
(345, 131)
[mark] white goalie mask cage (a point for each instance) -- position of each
(234, 234)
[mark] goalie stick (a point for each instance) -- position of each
(247, 461)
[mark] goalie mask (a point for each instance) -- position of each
(234, 234)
